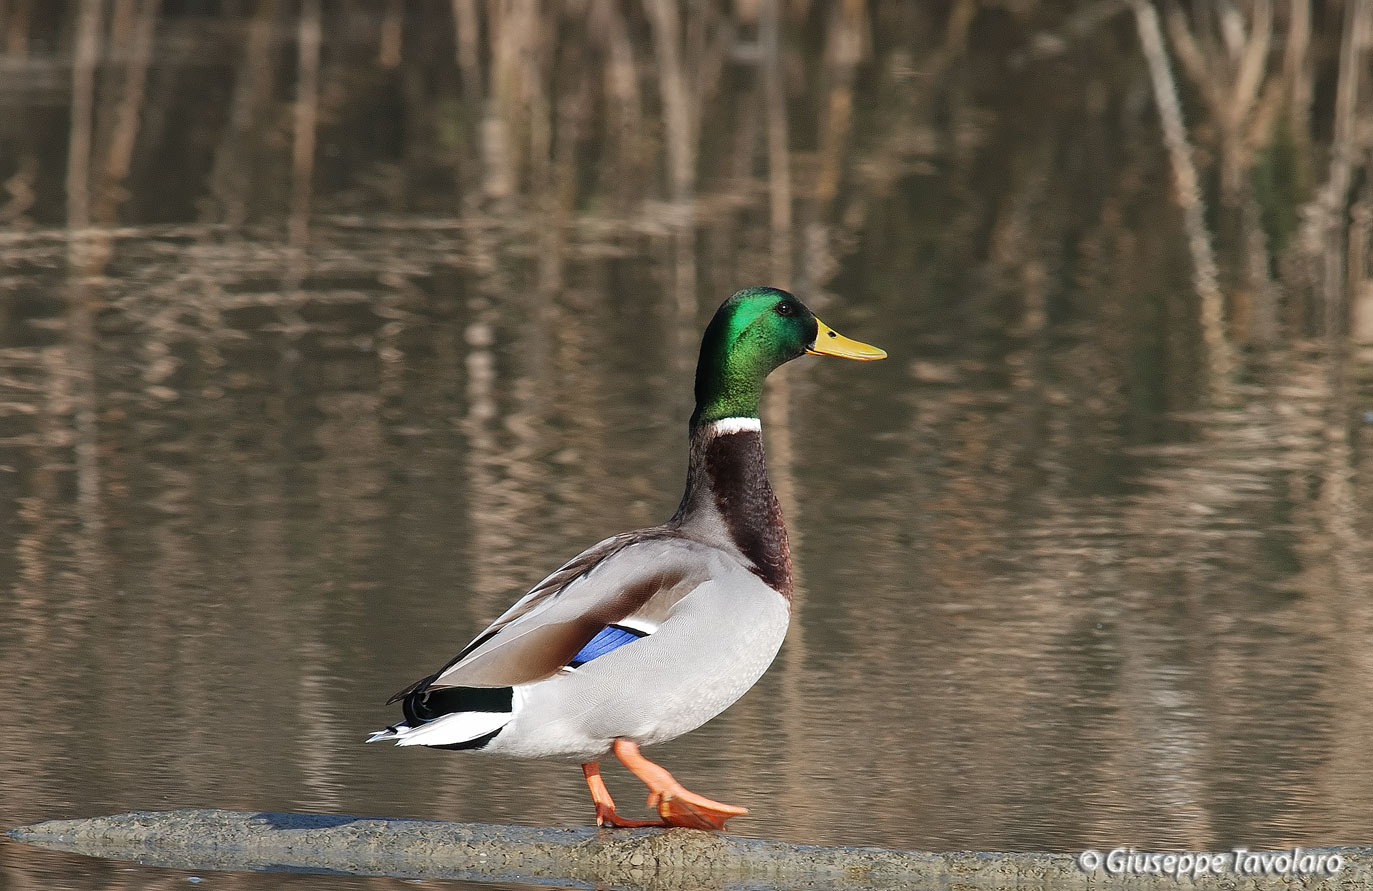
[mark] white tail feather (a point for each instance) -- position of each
(458, 727)
(389, 733)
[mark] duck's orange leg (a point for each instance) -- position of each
(676, 805)
(605, 805)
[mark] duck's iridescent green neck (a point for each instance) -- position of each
(723, 393)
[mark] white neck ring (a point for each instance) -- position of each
(735, 425)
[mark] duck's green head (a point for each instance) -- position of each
(752, 333)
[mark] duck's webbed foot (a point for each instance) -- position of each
(605, 805)
(677, 805)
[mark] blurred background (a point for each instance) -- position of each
(328, 329)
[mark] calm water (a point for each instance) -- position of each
(262, 463)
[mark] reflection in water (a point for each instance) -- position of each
(281, 425)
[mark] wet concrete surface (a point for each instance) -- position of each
(587, 857)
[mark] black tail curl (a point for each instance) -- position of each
(423, 706)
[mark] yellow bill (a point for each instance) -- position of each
(829, 342)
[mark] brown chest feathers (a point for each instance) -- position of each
(734, 468)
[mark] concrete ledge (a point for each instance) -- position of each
(626, 858)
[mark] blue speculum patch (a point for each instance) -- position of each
(609, 638)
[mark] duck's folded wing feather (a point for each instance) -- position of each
(633, 578)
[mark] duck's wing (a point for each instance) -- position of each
(631, 580)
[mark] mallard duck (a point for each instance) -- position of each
(649, 634)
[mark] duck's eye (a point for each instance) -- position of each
(786, 308)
